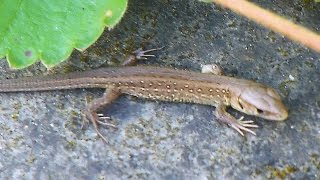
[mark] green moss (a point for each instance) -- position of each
(283, 87)
(283, 52)
(310, 64)
(15, 116)
(315, 160)
(282, 173)
(71, 145)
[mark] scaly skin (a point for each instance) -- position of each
(167, 85)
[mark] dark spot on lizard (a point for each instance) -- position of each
(259, 111)
(240, 105)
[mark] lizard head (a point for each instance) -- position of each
(260, 101)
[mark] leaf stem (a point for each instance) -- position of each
(274, 22)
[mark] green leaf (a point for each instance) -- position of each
(48, 30)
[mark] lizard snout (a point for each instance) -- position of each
(261, 101)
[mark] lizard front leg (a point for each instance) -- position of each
(212, 69)
(97, 104)
(221, 113)
(239, 125)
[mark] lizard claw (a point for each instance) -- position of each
(102, 121)
(238, 124)
(93, 117)
(241, 125)
(248, 123)
(140, 54)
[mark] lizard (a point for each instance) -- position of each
(210, 87)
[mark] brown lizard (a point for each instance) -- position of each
(164, 84)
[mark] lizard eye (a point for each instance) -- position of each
(259, 111)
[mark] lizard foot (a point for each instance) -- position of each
(139, 54)
(93, 117)
(95, 105)
(212, 69)
(240, 125)
(103, 121)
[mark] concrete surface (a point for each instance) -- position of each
(41, 135)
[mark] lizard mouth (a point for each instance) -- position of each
(279, 115)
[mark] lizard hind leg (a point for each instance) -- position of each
(138, 54)
(97, 104)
